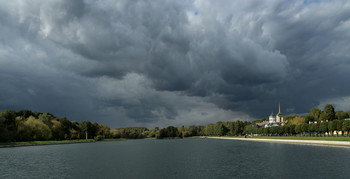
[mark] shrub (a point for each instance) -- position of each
(98, 138)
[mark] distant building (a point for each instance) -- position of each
(277, 120)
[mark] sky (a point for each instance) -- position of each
(185, 62)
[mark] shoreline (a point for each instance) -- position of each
(40, 144)
(291, 141)
(287, 141)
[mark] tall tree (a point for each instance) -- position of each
(85, 127)
(309, 118)
(329, 111)
(324, 127)
(35, 129)
(57, 129)
(315, 113)
(339, 126)
(332, 126)
(298, 129)
(340, 115)
(304, 128)
(292, 129)
(8, 126)
(171, 131)
(346, 126)
(220, 129)
(323, 117)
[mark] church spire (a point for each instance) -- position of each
(279, 107)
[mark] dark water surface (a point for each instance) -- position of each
(187, 158)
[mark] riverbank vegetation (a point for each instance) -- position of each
(25, 125)
(45, 142)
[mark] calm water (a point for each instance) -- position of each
(187, 158)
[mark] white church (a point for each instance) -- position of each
(274, 120)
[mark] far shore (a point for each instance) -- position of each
(290, 141)
(52, 142)
(36, 143)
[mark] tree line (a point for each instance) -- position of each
(314, 129)
(316, 123)
(25, 125)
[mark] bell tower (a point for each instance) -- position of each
(279, 116)
(279, 107)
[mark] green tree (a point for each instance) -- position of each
(193, 130)
(324, 127)
(171, 131)
(329, 111)
(238, 128)
(66, 126)
(8, 126)
(339, 126)
(74, 134)
(35, 129)
(46, 118)
(316, 128)
(332, 126)
(104, 131)
(340, 115)
(209, 129)
(315, 113)
(348, 112)
(298, 129)
(220, 129)
(309, 118)
(248, 129)
(292, 129)
(57, 130)
(304, 128)
(230, 128)
(323, 117)
(116, 134)
(25, 113)
(288, 118)
(346, 126)
(85, 127)
(311, 129)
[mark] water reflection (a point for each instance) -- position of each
(188, 158)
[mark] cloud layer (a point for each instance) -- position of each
(159, 63)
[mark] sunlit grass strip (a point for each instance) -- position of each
(114, 139)
(328, 138)
(46, 142)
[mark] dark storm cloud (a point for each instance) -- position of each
(160, 62)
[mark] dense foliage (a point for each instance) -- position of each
(26, 125)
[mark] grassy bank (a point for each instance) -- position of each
(114, 139)
(330, 138)
(30, 143)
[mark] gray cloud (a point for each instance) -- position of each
(151, 63)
